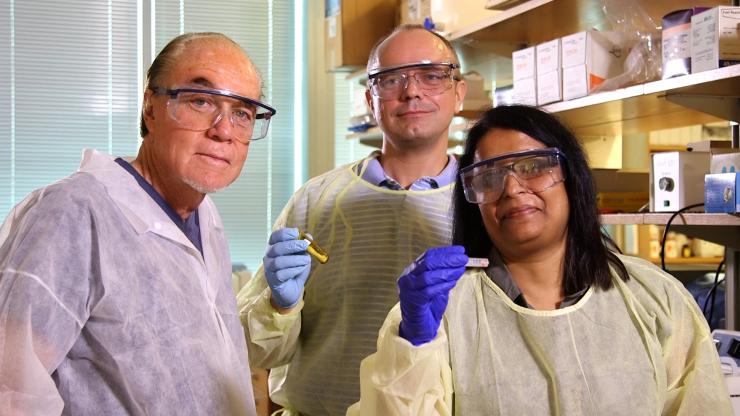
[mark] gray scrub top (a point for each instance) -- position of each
(107, 308)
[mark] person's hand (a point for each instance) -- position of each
(286, 265)
(424, 288)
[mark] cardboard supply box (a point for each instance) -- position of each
(676, 42)
(588, 58)
(547, 55)
(721, 192)
(524, 63)
(548, 74)
(414, 11)
(525, 71)
(359, 103)
(611, 202)
(725, 162)
(351, 28)
(621, 191)
(476, 98)
(715, 38)
(549, 87)
(525, 91)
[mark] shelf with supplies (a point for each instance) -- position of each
(699, 98)
(372, 137)
(700, 261)
(537, 21)
(688, 266)
(722, 229)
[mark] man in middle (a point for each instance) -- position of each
(313, 323)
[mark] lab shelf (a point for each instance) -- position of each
(699, 98)
(686, 269)
(372, 137)
(537, 21)
(699, 263)
(718, 228)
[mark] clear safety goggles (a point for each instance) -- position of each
(433, 78)
(536, 170)
(200, 109)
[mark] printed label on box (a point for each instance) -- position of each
(715, 38)
(525, 91)
(524, 63)
(574, 49)
(549, 88)
(548, 56)
(575, 82)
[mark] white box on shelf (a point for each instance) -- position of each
(524, 65)
(725, 162)
(676, 41)
(597, 55)
(548, 56)
(573, 50)
(414, 11)
(549, 87)
(525, 91)
(715, 38)
(575, 82)
(677, 180)
(359, 103)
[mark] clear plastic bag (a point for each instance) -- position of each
(641, 38)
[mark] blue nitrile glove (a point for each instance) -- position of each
(286, 265)
(424, 288)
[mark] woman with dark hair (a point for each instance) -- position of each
(557, 323)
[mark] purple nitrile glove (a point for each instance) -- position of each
(287, 266)
(424, 289)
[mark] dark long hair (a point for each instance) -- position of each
(587, 257)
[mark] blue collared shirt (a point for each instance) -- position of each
(375, 174)
(190, 226)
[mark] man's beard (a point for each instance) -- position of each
(200, 188)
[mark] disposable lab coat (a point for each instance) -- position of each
(108, 309)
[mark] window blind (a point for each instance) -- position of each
(68, 78)
(69, 69)
(345, 150)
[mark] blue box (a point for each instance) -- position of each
(721, 192)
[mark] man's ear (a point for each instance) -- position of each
(147, 109)
(460, 89)
(369, 99)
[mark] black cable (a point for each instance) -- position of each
(713, 288)
(665, 232)
(713, 292)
